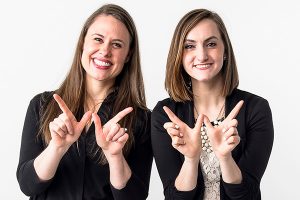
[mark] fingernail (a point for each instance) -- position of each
(176, 126)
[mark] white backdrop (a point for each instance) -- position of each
(37, 41)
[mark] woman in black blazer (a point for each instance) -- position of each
(92, 140)
(210, 140)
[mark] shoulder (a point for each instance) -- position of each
(247, 96)
(39, 100)
(43, 96)
(170, 103)
(142, 124)
(37, 105)
(143, 116)
(182, 110)
(249, 99)
(254, 105)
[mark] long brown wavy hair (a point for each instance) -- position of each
(129, 82)
(177, 80)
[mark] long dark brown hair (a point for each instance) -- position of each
(177, 80)
(129, 82)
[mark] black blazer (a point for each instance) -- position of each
(79, 175)
(251, 155)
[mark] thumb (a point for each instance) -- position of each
(84, 120)
(199, 122)
(207, 123)
(98, 126)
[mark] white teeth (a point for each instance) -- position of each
(202, 66)
(101, 63)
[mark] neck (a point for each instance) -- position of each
(96, 92)
(208, 98)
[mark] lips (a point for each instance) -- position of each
(102, 64)
(203, 66)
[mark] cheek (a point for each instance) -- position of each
(187, 60)
(89, 49)
(218, 56)
(220, 59)
(121, 56)
(84, 58)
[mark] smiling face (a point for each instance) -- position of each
(105, 49)
(203, 53)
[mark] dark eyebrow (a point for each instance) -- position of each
(115, 40)
(98, 35)
(189, 40)
(212, 37)
(193, 41)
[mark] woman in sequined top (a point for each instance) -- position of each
(90, 138)
(210, 140)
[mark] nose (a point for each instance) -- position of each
(201, 54)
(105, 50)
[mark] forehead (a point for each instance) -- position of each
(204, 29)
(109, 26)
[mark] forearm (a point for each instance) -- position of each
(120, 171)
(187, 177)
(231, 173)
(47, 162)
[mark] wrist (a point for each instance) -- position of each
(194, 160)
(113, 157)
(57, 150)
(225, 159)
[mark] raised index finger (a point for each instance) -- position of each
(235, 111)
(62, 104)
(172, 116)
(120, 115)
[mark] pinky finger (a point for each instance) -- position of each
(233, 140)
(123, 138)
(56, 130)
(120, 133)
(176, 141)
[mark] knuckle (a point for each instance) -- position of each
(174, 143)
(118, 125)
(56, 129)
(66, 119)
(171, 131)
(56, 120)
(113, 126)
(165, 126)
(176, 140)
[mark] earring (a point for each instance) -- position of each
(224, 58)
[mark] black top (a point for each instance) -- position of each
(255, 128)
(79, 175)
